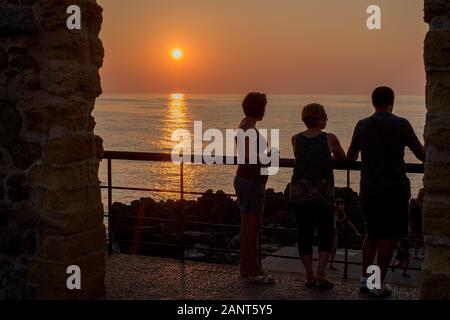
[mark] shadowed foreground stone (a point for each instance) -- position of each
(50, 205)
(17, 21)
(436, 274)
(138, 277)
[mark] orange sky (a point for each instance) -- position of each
(275, 46)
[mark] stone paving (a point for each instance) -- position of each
(142, 278)
(354, 271)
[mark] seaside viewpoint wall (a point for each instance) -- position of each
(51, 214)
(436, 273)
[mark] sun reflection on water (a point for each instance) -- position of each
(177, 116)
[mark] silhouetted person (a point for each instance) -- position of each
(415, 221)
(402, 257)
(312, 191)
(250, 186)
(385, 189)
(340, 218)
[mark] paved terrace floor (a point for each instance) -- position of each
(139, 277)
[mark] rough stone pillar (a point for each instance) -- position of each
(51, 215)
(436, 274)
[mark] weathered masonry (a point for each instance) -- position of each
(436, 274)
(51, 215)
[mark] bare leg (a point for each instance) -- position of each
(243, 245)
(258, 224)
(385, 253)
(254, 224)
(308, 264)
(333, 252)
(369, 253)
(405, 269)
(417, 243)
(323, 262)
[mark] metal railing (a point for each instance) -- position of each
(182, 222)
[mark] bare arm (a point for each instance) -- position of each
(413, 143)
(336, 148)
(419, 152)
(353, 151)
(293, 143)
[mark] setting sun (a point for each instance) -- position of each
(177, 54)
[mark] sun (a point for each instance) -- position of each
(177, 54)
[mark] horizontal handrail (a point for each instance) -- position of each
(227, 160)
(220, 160)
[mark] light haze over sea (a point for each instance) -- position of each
(145, 122)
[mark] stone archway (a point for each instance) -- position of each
(436, 274)
(51, 215)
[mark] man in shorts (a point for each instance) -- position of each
(385, 189)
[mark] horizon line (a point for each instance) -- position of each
(273, 94)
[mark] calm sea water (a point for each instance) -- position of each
(145, 122)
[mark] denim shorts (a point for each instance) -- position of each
(251, 195)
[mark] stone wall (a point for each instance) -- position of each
(51, 215)
(436, 274)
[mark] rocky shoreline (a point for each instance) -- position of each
(151, 235)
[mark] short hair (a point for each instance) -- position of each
(383, 97)
(312, 114)
(254, 104)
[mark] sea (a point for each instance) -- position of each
(145, 123)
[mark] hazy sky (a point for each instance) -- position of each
(275, 46)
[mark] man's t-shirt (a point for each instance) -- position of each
(383, 165)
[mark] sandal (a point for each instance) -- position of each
(324, 284)
(381, 293)
(262, 279)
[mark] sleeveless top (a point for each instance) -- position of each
(253, 171)
(313, 178)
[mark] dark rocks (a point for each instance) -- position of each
(147, 240)
(197, 254)
(234, 244)
(213, 208)
(192, 238)
(17, 22)
(269, 248)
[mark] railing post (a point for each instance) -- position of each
(182, 211)
(110, 236)
(346, 210)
